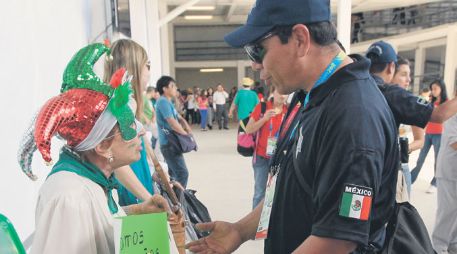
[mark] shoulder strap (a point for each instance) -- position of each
(263, 108)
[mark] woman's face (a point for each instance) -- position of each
(403, 76)
(436, 90)
(126, 152)
(145, 75)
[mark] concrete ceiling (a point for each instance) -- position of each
(236, 11)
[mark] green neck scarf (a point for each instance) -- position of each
(71, 162)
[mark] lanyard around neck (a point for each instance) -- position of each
(328, 72)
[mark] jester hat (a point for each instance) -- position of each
(84, 113)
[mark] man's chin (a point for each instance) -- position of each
(283, 90)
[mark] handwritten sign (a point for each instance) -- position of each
(142, 234)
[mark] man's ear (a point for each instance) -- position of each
(302, 38)
(391, 68)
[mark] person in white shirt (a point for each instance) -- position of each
(444, 235)
(220, 98)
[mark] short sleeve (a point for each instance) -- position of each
(236, 100)
(165, 109)
(349, 172)
(408, 108)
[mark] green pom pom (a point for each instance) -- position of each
(119, 107)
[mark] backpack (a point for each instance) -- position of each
(246, 143)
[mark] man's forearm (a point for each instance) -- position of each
(444, 111)
(184, 124)
(321, 245)
(247, 227)
(232, 108)
(176, 126)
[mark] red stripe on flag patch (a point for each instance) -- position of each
(366, 208)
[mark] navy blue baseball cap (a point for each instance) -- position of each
(266, 14)
(384, 51)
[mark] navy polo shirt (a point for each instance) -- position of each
(345, 146)
(406, 107)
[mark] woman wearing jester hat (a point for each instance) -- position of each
(75, 206)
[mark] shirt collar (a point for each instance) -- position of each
(358, 70)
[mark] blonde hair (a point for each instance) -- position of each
(131, 56)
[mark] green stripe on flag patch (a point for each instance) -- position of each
(346, 204)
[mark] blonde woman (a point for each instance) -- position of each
(133, 57)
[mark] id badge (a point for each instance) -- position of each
(262, 229)
(271, 145)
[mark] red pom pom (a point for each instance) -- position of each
(116, 79)
(107, 43)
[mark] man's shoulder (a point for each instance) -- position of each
(358, 98)
(162, 101)
(357, 90)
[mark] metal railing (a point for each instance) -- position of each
(378, 24)
(365, 26)
(207, 50)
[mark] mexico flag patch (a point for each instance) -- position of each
(356, 202)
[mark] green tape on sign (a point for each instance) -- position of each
(145, 234)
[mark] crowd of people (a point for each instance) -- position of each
(328, 165)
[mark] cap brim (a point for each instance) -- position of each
(245, 35)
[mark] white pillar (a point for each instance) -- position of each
(153, 34)
(451, 63)
(138, 22)
(344, 23)
(144, 19)
(171, 40)
(241, 71)
(164, 32)
(419, 64)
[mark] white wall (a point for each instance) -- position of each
(37, 40)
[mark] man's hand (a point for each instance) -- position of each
(224, 238)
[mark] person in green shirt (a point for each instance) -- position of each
(245, 100)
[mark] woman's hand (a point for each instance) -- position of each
(269, 114)
(154, 204)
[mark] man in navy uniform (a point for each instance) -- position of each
(332, 181)
(406, 107)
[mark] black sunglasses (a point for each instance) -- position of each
(255, 50)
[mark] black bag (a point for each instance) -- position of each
(195, 210)
(406, 232)
(180, 143)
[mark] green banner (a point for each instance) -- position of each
(145, 234)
